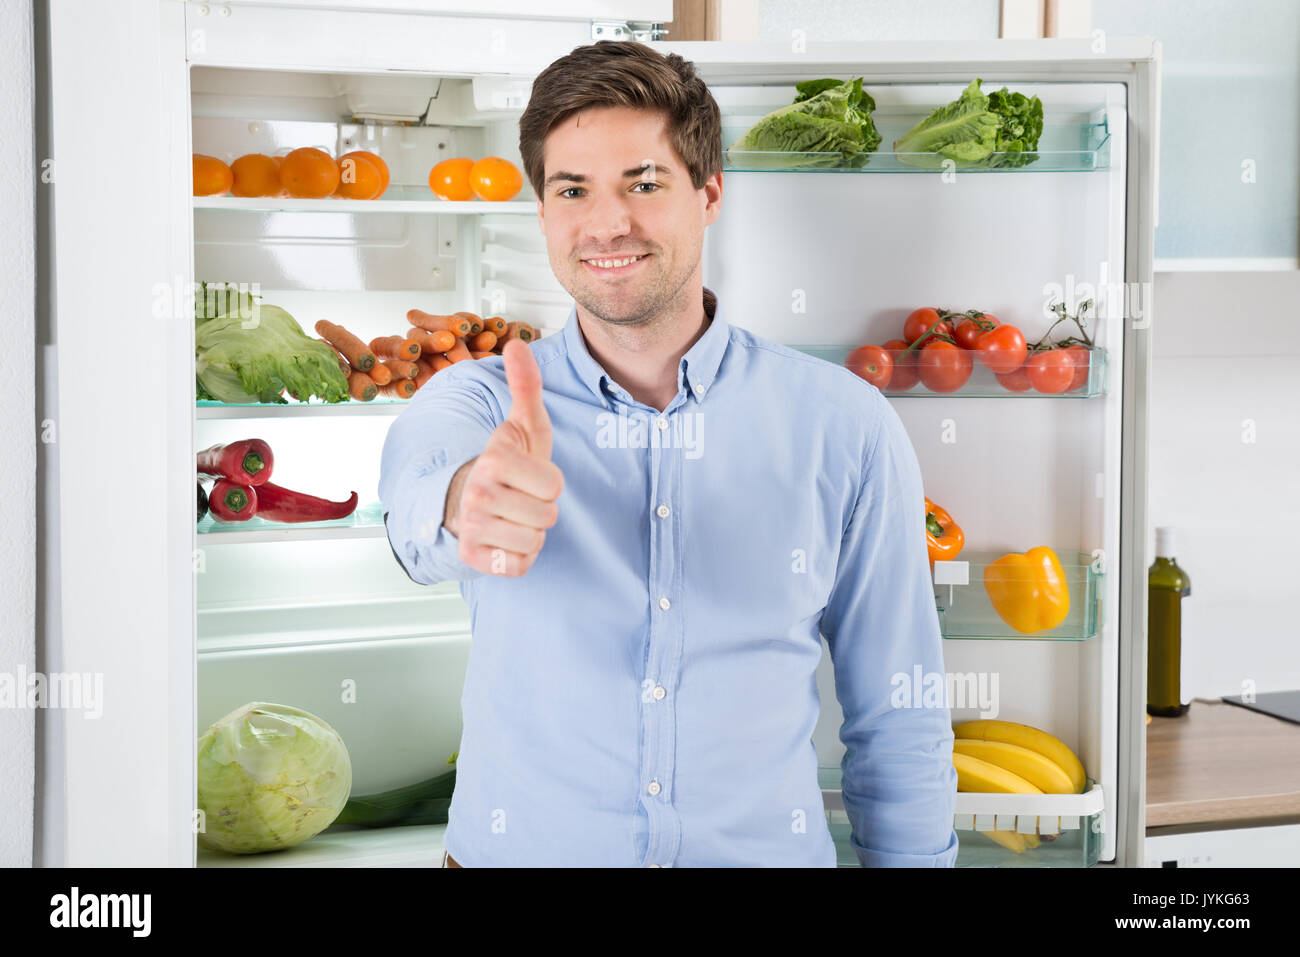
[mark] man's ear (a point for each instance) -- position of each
(541, 217)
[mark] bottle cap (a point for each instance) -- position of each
(1164, 542)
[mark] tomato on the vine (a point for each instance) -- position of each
(1050, 371)
(904, 375)
(969, 330)
(944, 366)
(1082, 362)
(1017, 381)
(871, 363)
(1002, 349)
(921, 320)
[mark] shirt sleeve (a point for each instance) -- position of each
(447, 423)
(882, 628)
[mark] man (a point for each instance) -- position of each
(652, 515)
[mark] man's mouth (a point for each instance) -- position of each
(614, 265)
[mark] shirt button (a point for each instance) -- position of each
(662, 511)
(699, 388)
(663, 603)
(663, 423)
(652, 865)
(659, 692)
(654, 787)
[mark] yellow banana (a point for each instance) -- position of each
(974, 774)
(1025, 736)
(1038, 769)
(1011, 840)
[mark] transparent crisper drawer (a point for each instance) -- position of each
(967, 611)
(1037, 830)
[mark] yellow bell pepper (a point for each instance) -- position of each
(1028, 591)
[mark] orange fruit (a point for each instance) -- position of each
(379, 164)
(211, 176)
(359, 178)
(496, 179)
(255, 175)
(309, 173)
(450, 179)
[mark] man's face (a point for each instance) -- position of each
(614, 189)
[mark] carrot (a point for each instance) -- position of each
(440, 363)
(480, 355)
(426, 372)
(402, 368)
(382, 373)
(395, 347)
(483, 342)
(353, 349)
(343, 363)
(399, 389)
(495, 325)
(361, 386)
(458, 325)
(459, 352)
(432, 343)
(520, 330)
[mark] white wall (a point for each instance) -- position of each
(1225, 470)
(17, 433)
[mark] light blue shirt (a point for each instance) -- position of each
(646, 694)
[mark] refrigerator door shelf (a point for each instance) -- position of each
(396, 199)
(982, 382)
(965, 610)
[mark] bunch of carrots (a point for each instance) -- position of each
(396, 366)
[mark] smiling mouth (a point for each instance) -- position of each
(615, 264)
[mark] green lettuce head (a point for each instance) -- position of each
(270, 776)
(828, 116)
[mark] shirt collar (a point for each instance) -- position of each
(696, 371)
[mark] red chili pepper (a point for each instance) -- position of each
(230, 502)
(245, 463)
(285, 505)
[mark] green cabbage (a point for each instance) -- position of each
(269, 777)
(253, 352)
(828, 116)
(975, 130)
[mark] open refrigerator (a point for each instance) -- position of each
(187, 623)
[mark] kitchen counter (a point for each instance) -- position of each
(1222, 766)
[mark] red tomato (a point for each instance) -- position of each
(920, 321)
(1017, 381)
(1050, 371)
(904, 375)
(871, 363)
(1082, 362)
(1002, 349)
(968, 331)
(944, 367)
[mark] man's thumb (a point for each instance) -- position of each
(524, 380)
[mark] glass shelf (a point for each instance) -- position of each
(982, 382)
(1067, 826)
(366, 522)
(397, 199)
(966, 612)
(1065, 147)
(208, 409)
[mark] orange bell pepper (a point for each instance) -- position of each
(943, 536)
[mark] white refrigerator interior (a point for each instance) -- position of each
(823, 261)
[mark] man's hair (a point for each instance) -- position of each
(624, 73)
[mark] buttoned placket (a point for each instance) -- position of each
(664, 647)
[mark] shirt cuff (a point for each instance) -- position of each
(870, 858)
(422, 545)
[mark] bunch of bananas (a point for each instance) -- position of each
(1010, 758)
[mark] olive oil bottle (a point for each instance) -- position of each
(1167, 586)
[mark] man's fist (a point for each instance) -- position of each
(500, 503)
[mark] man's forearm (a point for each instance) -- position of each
(451, 510)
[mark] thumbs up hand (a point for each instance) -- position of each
(500, 503)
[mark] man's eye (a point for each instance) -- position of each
(568, 190)
(648, 183)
